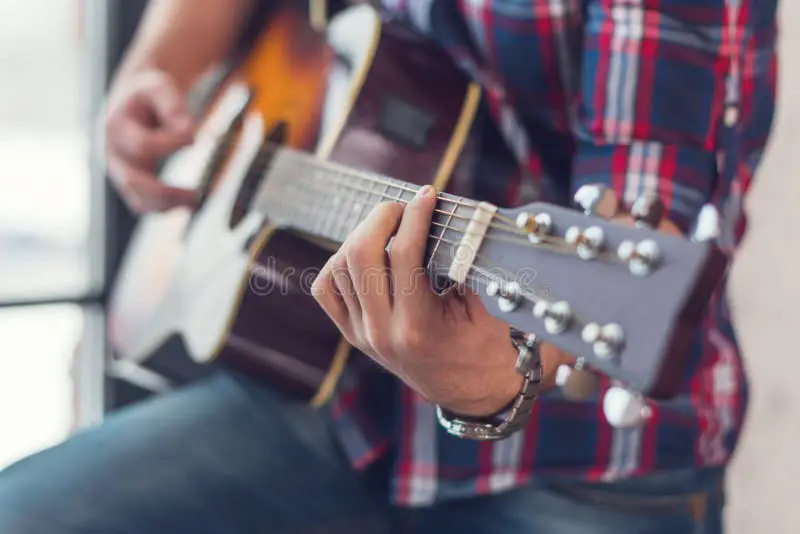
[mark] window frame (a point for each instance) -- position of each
(107, 29)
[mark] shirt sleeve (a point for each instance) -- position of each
(652, 94)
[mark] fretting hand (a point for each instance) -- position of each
(449, 349)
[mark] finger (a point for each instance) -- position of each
(343, 287)
(366, 261)
(137, 142)
(326, 293)
(169, 103)
(408, 248)
(144, 192)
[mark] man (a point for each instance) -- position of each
(672, 97)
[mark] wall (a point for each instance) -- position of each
(763, 481)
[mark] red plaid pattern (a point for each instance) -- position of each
(671, 96)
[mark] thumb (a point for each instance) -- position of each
(169, 103)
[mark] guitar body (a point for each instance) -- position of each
(282, 78)
(236, 289)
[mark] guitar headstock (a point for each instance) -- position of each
(625, 299)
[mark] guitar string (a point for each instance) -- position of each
(268, 148)
(305, 207)
(520, 241)
(344, 170)
(554, 245)
(488, 264)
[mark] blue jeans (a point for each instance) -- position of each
(226, 456)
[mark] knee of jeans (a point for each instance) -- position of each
(19, 513)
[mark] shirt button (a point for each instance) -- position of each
(731, 115)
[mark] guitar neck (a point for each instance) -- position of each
(329, 200)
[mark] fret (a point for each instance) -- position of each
(333, 195)
(353, 208)
(338, 214)
(324, 209)
(316, 203)
(297, 202)
(387, 185)
(360, 208)
(346, 210)
(400, 192)
(301, 201)
(294, 207)
(340, 206)
(448, 219)
(334, 198)
(325, 189)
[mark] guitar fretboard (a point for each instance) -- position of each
(329, 200)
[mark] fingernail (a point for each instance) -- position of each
(425, 191)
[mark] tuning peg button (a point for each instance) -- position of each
(557, 315)
(606, 340)
(641, 257)
(598, 200)
(588, 243)
(648, 210)
(536, 226)
(624, 409)
(508, 295)
(707, 226)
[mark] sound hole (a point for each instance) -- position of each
(256, 173)
(218, 159)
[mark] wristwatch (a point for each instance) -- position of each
(517, 414)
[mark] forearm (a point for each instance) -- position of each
(185, 37)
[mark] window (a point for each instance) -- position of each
(45, 215)
(51, 217)
(36, 343)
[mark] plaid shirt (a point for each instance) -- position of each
(671, 96)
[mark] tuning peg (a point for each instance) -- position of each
(641, 257)
(624, 409)
(508, 294)
(597, 199)
(648, 210)
(606, 340)
(578, 383)
(588, 243)
(707, 226)
(536, 226)
(557, 316)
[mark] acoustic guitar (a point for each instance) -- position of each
(625, 300)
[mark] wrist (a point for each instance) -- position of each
(499, 394)
(493, 423)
